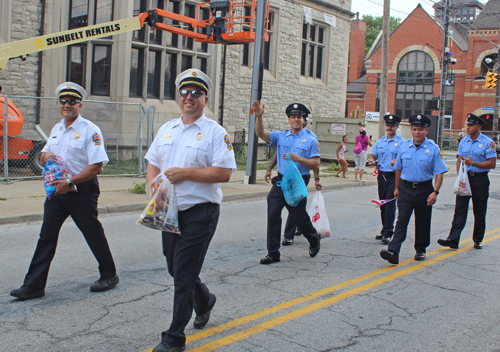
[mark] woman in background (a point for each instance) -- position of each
(342, 148)
(360, 159)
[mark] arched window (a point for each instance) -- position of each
(415, 84)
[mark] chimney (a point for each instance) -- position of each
(357, 48)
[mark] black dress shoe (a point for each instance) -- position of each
(390, 256)
(104, 284)
(287, 241)
(420, 256)
(448, 243)
(269, 260)
(165, 347)
(478, 245)
(202, 319)
(314, 249)
(25, 292)
(378, 237)
(385, 239)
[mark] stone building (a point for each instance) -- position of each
(304, 61)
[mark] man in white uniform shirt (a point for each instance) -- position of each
(196, 155)
(79, 143)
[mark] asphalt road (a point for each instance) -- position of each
(346, 298)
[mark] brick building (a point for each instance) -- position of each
(415, 66)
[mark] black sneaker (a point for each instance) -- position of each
(25, 292)
(385, 239)
(420, 256)
(104, 284)
(390, 256)
(287, 241)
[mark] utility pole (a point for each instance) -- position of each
(258, 68)
(497, 96)
(444, 69)
(384, 76)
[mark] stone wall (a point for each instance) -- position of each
(20, 77)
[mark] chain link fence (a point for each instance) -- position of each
(127, 130)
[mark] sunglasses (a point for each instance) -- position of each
(71, 102)
(194, 93)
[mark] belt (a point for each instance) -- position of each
(388, 173)
(472, 173)
(417, 184)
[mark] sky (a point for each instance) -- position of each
(399, 8)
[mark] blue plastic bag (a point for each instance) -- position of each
(292, 184)
(54, 170)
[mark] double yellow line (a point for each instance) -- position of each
(392, 272)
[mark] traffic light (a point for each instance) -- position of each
(491, 80)
(488, 117)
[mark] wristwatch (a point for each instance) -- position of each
(316, 179)
(437, 192)
(70, 185)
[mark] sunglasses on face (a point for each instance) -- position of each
(194, 93)
(69, 101)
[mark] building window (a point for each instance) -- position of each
(313, 48)
(139, 7)
(103, 11)
(161, 53)
(154, 66)
(77, 55)
(79, 13)
(136, 72)
(247, 52)
(447, 122)
(415, 84)
(449, 94)
(101, 70)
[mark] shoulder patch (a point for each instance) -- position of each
(96, 138)
(228, 142)
(493, 145)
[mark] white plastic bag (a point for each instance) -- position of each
(317, 213)
(462, 186)
(161, 213)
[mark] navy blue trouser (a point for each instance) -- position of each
(275, 204)
(185, 254)
(409, 200)
(291, 225)
(480, 186)
(82, 207)
(386, 186)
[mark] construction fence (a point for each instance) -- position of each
(127, 128)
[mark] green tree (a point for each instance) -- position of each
(374, 26)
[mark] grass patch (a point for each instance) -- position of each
(3, 198)
(114, 167)
(139, 188)
(333, 166)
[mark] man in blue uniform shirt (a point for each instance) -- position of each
(479, 154)
(303, 149)
(291, 228)
(386, 150)
(417, 162)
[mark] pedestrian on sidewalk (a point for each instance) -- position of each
(360, 159)
(417, 163)
(291, 228)
(385, 151)
(341, 149)
(479, 154)
(79, 143)
(196, 155)
(304, 151)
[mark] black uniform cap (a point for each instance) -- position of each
(392, 120)
(297, 109)
(472, 119)
(419, 120)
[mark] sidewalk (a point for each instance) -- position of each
(24, 199)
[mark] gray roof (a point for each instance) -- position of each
(488, 16)
(358, 86)
(460, 3)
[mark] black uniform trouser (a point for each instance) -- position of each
(185, 254)
(413, 199)
(479, 185)
(275, 204)
(386, 186)
(82, 207)
(291, 224)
